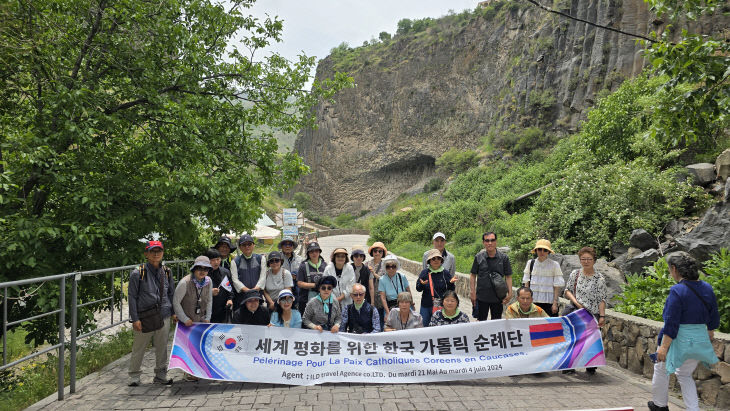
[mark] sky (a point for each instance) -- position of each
(313, 27)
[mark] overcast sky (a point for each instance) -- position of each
(313, 27)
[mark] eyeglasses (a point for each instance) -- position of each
(490, 240)
(377, 250)
(357, 294)
(326, 288)
(587, 259)
(274, 260)
(388, 267)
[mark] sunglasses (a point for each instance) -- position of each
(490, 240)
(286, 300)
(377, 250)
(326, 288)
(391, 266)
(357, 294)
(274, 260)
(541, 249)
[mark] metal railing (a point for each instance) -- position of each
(114, 301)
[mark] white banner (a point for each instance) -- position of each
(455, 352)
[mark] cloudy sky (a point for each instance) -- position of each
(313, 27)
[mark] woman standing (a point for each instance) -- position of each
(402, 317)
(362, 273)
(544, 277)
(345, 276)
(392, 284)
(377, 269)
(309, 274)
(690, 318)
(323, 312)
(284, 316)
(450, 313)
(433, 282)
(275, 279)
(587, 289)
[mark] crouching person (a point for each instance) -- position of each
(150, 307)
(251, 311)
(360, 317)
(193, 300)
(524, 307)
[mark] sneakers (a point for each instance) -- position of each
(654, 407)
(163, 381)
(133, 384)
(591, 371)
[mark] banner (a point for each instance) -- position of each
(485, 349)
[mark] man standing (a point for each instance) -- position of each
(439, 243)
(226, 248)
(151, 288)
(523, 307)
(249, 269)
(222, 293)
(481, 286)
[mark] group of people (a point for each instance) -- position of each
(350, 294)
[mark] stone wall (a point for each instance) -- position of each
(628, 340)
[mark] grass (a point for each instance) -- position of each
(29, 383)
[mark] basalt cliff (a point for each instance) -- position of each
(507, 65)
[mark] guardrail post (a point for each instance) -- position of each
(5, 326)
(74, 319)
(61, 336)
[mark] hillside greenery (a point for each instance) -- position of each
(594, 190)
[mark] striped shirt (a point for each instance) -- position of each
(545, 275)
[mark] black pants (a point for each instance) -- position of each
(548, 307)
(485, 308)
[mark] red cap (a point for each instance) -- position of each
(154, 244)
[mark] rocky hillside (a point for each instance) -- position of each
(462, 77)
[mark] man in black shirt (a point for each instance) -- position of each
(482, 289)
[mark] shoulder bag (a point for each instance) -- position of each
(436, 301)
(151, 318)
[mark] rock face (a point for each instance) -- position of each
(642, 240)
(722, 165)
(636, 264)
(419, 95)
(712, 233)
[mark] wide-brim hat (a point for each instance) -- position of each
(287, 240)
(313, 246)
(201, 261)
(358, 250)
(252, 295)
(327, 279)
(543, 243)
(225, 240)
(377, 244)
(433, 253)
(339, 250)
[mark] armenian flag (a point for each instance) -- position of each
(546, 334)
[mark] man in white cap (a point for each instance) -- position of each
(439, 243)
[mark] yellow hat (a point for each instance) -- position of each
(543, 243)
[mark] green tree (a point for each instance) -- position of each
(384, 36)
(700, 113)
(120, 119)
(404, 26)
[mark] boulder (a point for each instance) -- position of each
(642, 240)
(722, 164)
(726, 197)
(618, 249)
(635, 265)
(702, 173)
(674, 227)
(614, 278)
(709, 389)
(711, 234)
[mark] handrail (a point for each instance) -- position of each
(62, 310)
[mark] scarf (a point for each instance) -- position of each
(325, 303)
(440, 269)
(524, 312)
(316, 267)
(451, 317)
(199, 284)
(359, 306)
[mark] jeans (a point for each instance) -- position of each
(426, 315)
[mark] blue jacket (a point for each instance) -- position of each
(684, 307)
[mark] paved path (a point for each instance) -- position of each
(610, 387)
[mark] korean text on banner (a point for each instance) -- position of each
(455, 352)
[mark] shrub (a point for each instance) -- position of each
(644, 295)
(384, 36)
(302, 200)
(717, 269)
(433, 184)
(457, 161)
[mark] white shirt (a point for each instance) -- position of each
(545, 276)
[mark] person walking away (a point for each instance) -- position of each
(482, 285)
(545, 278)
(150, 292)
(433, 282)
(691, 317)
